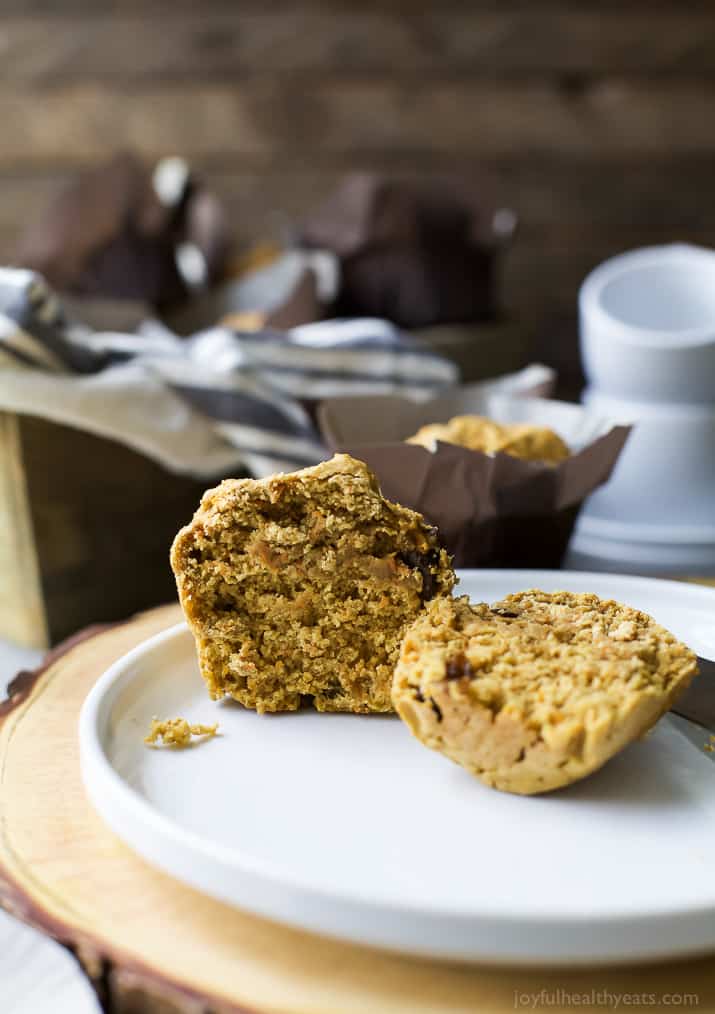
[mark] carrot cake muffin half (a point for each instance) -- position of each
(538, 690)
(477, 433)
(301, 585)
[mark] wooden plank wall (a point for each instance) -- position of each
(593, 119)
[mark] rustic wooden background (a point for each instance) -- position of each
(594, 120)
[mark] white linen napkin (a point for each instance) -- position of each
(213, 403)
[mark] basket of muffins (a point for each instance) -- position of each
(313, 589)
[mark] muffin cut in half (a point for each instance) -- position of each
(538, 690)
(477, 433)
(302, 585)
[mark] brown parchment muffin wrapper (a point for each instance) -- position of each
(491, 511)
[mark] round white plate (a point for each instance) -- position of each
(346, 825)
(37, 975)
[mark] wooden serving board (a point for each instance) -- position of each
(152, 945)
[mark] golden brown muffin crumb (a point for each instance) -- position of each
(177, 732)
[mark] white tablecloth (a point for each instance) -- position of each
(13, 659)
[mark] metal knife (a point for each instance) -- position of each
(697, 703)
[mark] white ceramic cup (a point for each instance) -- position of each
(665, 476)
(647, 325)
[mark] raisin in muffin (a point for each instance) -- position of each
(520, 440)
(538, 690)
(302, 585)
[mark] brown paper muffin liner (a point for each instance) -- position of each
(490, 510)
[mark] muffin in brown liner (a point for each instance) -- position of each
(491, 510)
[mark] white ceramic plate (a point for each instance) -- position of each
(37, 975)
(346, 825)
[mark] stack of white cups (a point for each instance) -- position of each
(647, 323)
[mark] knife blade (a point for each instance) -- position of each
(697, 703)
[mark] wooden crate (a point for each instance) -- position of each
(85, 529)
(480, 350)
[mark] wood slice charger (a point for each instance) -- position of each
(152, 945)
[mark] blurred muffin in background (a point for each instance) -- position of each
(477, 433)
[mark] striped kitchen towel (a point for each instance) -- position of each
(215, 403)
